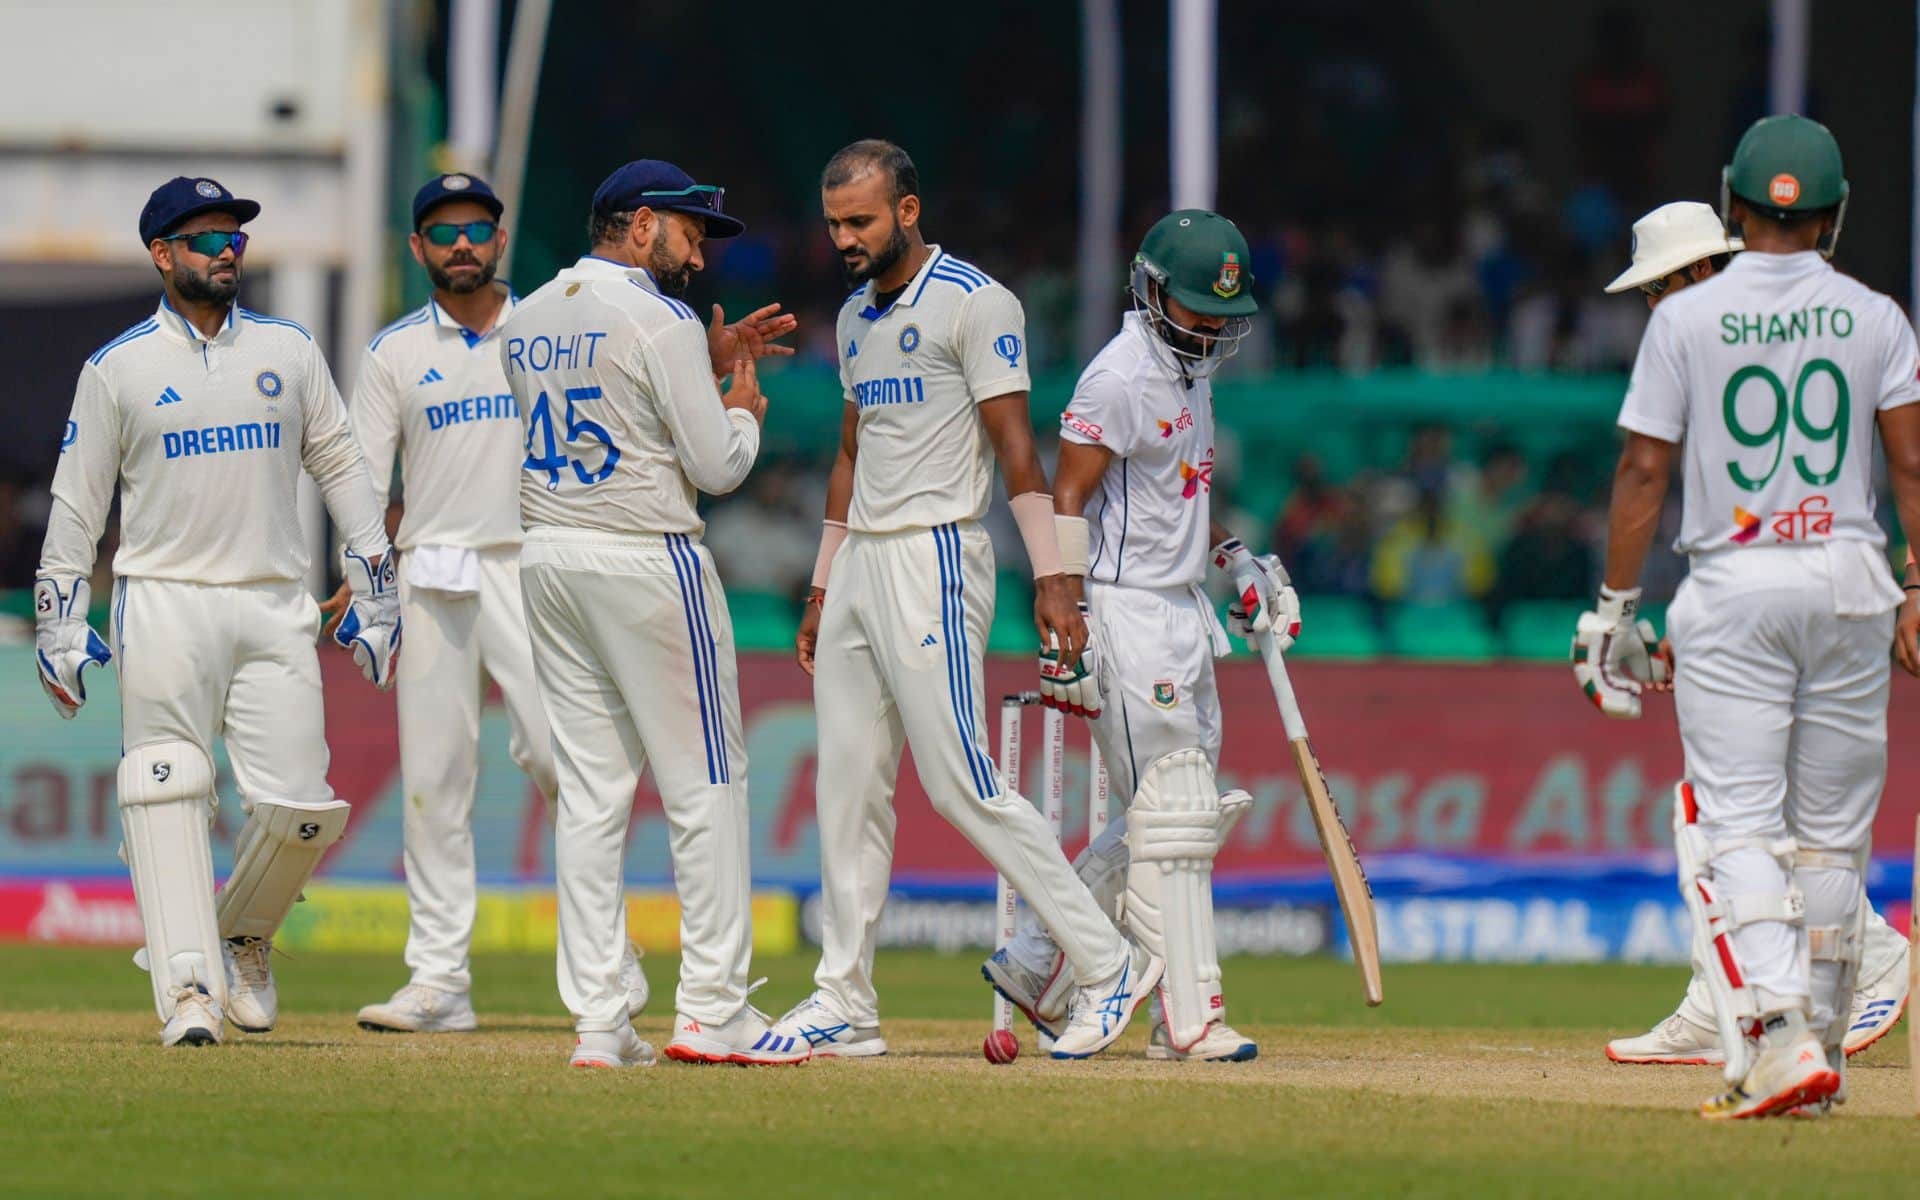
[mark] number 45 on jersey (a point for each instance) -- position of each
(581, 434)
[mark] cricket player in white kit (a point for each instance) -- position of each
(1776, 373)
(204, 415)
(1139, 435)
(616, 381)
(933, 363)
(431, 388)
(1673, 246)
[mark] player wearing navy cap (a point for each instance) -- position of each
(204, 415)
(617, 388)
(431, 390)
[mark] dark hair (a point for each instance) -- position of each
(603, 228)
(1719, 262)
(873, 154)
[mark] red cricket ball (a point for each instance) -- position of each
(1001, 1047)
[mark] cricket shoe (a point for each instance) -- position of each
(1102, 1009)
(195, 1021)
(417, 1008)
(745, 1039)
(634, 980)
(253, 1004)
(828, 1034)
(1676, 1040)
(1220, 1043)
(1881, 996)
(615, 1048)
(1791, 1071)
(1030, 991)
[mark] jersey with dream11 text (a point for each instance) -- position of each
(1772, 373)
(915, 370)
(1153, 518)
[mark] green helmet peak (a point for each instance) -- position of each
(1200, 259)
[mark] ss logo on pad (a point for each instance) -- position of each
(308, 831)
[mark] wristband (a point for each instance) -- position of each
(1074, 540)
(832, 533)
(1033, 513)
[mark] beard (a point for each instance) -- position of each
(464, 285)
(878, 264)
(672, 278)
(204, 289)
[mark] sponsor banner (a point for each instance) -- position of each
(367, 917)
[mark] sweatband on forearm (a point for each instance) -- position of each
(1033, 513)
(832, 533)
(1073, 536)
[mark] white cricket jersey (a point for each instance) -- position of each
(1153, 525)
(621, 415)
(1772, 373)
(952, 339)
(436, 392)
(206, 438)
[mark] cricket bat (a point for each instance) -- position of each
(1343, 863)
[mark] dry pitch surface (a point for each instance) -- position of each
(1474, 1081)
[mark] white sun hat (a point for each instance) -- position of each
(1672, 238)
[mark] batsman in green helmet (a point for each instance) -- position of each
(1137, 452)
(1773, 378)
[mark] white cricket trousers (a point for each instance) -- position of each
(1783, 716)
(1153, 653)
(234, 661)
(900, 659)
(454, 642)
(633, 649)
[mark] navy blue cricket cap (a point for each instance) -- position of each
(661, 186)
(456, 185)
(186, 196)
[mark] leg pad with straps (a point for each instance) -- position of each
(278, 849)
(166, 798)
(1173, 832)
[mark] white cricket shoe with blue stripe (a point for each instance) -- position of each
(1027, 990)
(1101, 1010)
(745, 1040)
(1881, 995)
(818, 1023)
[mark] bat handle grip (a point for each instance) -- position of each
(1290, 718)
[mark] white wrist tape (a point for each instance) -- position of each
(1033, 513)
(832, 533)
(1074, 537)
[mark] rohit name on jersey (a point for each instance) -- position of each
(900, 389)
(473, 408)
(222, 439)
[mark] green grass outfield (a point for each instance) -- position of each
(1471, 1081)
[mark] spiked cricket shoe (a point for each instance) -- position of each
(615, 1048)
(1102, 1009)
(819, 1024)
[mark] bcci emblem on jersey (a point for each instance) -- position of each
(1007, 346)
(269, 384)
(1228, 283)
(909, 341)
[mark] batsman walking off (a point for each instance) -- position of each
(1138, 434)
(204, 415)
(1776, 373)
(1674, 246)
(616, 381)
(933, 363)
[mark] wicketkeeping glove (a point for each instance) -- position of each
(371, 626)
(1264, 598)
(64, 644)
(1615, 656)
(1072, 689)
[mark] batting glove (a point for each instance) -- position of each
(1615, 655)
(1264, 599)
(371, 626)
(64, 644)
(1072, 689)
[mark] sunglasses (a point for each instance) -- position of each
(477, 232)
(701, 195)
(211, 242)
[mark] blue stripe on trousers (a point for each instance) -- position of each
(709, 647)
(959, 668)
(699, 660)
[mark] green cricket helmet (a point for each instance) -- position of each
(1198, 258)
(1788, 165)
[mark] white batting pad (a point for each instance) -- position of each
(166, 791)
(1173, 832)
(279, 847)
